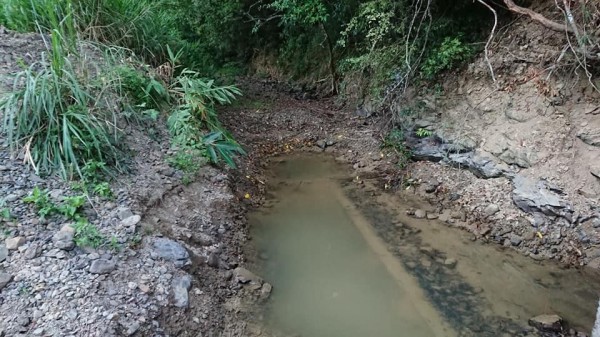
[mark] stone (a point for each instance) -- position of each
(131, 221)
(171, 251)
(420, 214)
(521, 158)
(595, 171)
(590, 137)
(180, 287)
(102, 266)
(265, 291)
(531, 197)
(63, 240)
(3, 252)
(130, 326)
(5, 278)
(432, 216)
(202, 239)
(244, 276)
(547, 323)
(14, 243)
(515, 240)
(450, 263)
(124, 213)
(491, 209)
(32, 252)
(213, 260)
(322, 144)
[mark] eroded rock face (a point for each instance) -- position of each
(538, 197)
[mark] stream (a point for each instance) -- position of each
(345, 260)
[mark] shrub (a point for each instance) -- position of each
(451, 52)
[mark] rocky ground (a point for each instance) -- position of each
(167, 264)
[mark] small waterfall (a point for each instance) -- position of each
(596, 330)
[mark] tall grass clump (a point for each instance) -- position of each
(54, 114)
(144, 26)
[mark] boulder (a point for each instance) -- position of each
(420, 214)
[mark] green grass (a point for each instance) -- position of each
(57, 120)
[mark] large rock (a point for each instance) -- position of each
(171, 251)
(547, 323)
(590, 136)
(180, 287)
(532, 197)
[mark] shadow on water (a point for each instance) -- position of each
(345, 261)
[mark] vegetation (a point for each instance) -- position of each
(62, 112)
(394, 141)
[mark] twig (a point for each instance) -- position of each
(490, 39)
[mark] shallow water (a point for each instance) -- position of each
(344, 262)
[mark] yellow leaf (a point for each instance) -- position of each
(540, 235)
(247, 196)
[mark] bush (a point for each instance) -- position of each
(450, 53)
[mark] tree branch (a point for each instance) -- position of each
(538, 17)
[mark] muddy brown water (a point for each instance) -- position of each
(345, 260)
